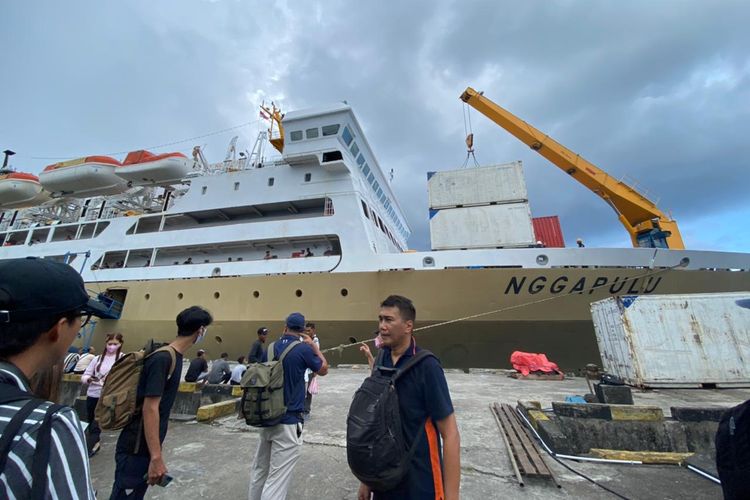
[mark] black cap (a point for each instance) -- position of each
(31, 288)
(262, 330)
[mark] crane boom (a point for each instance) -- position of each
(647, 225)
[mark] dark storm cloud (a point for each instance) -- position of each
(657, 91)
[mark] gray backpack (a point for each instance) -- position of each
(262, 385)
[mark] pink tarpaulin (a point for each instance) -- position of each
(526, 362)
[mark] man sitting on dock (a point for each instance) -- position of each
(220, 372)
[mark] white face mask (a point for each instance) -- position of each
(201, 335)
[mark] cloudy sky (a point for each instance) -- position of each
(656, 91)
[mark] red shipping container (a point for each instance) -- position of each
(548, 231)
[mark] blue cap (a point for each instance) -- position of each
(295, 322)
(743, 303)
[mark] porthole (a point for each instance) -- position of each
(308, 177)
(204, 189)
(180, 296)
(256, 294)
(236, 186)
(147, 296)
(298, 293)
(542, 260)
(216, 272)
(344, 292)
(428, 262)
(270, 181)
(218, 339)
(217, 295)
(684, 262)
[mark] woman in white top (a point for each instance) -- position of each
(94, 376)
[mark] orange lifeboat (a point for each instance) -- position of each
(143, 168)
(20, 190)
(84, 177)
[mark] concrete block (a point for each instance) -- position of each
(581, 410)
(236, 391)
(216, 410)
(694, 414)
(189, 387)
(647, 457)
(71, 377)
(536, 416)
(614, 394)
(637, 413)
(526, 405)
(550, 432)
(70, 389)
(186, 403)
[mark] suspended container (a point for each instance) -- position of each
(697, 340)
(143, 168)
(489, 226)
(494, 184)
(20, 190)
(84, 177)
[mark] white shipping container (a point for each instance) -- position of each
(675, 340)
(477, 186)
(488, 226)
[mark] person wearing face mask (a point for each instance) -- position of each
(94, 376)
(138, 457)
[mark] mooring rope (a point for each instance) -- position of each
(340, 348)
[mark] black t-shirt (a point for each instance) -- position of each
(153, 383)
(197, 366)
(257, 353)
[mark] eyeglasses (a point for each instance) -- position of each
(85, 318)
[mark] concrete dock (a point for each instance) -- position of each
(213, 460)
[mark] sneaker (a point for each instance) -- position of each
(95, 449)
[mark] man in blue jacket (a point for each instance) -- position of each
(279, 446)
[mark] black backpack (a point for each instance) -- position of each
(733, 452)
(375, 446)
(9, 394)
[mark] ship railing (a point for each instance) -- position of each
(112, 309)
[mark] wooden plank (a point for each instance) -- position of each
(518, 450)
(532, 451)
(511, 455)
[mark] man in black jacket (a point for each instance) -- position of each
(257, 351)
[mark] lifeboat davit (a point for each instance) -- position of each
(143, 168)
(20, 190)
(84, 177)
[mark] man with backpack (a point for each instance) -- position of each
(279, 444)
(43, 305)
(138, 456)
(399, 455)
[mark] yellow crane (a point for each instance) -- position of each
(647, 225)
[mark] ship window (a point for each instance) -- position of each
(332, 156)
(366, 169)
(308, 176)
(204, 189)
(347, 136)
(364, 209)
(87, 231)
(270, 181)
(100, 226)
(376, 188)
(360, 160)
(382, 197)
(370, 178)
(296, 135)
(236, 186)
(331, 129)
(311, 133)
(354, 149)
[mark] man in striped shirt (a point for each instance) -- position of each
(43, 304)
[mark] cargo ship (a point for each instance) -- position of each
(319, 230)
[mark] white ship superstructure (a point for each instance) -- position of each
(319, 230)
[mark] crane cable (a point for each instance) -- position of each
(466, 112)
(339, 348)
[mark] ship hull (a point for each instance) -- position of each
(502, 309)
